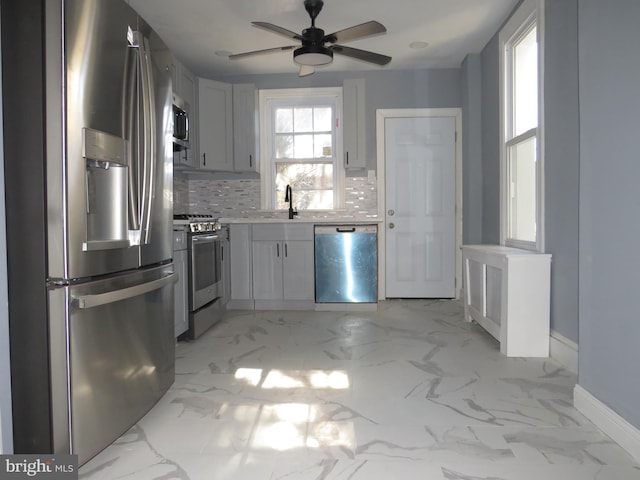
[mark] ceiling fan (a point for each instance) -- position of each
(318, 48)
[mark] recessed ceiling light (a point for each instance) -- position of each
(222, 53)
(418, 45)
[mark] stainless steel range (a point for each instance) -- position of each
(207, 246)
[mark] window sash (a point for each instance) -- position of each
(527, 17)
(270, 101)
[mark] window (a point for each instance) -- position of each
(301, 137)
(521, 121)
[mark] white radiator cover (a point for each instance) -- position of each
(507, 291)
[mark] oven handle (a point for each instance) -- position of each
(204, 238)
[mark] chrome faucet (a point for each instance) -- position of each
(288, 197)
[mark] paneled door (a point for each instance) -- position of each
(420, 191)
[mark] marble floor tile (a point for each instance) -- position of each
(409, 391)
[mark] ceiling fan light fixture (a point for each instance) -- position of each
(313, 55)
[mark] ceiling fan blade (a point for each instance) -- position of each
(276, 29)
(357, 31)
(306, 70)
(361, 54)
(259, 52)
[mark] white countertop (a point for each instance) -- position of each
(337, 220)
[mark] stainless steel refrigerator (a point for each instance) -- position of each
(88, 129)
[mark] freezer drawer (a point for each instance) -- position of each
(346, 263)
(121, 354)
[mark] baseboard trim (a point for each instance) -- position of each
(621, 431)
(346, 307)
(564, 351)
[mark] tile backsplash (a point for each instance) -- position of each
(241, 198)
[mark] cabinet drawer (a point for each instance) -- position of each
(283, 231)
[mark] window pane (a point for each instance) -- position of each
(322, 119)
(303, 120)
(322, 146)
(284, 146)
(522, 194)
(315, 199)
(284, 120)
(312, 185)
(525, 83)
(303, 146)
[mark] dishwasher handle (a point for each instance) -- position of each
(343, 229)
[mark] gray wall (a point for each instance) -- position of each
(490, 143)
(561, 157)
(429, 88)
(471, 81)
(609, 76)
(562, 162)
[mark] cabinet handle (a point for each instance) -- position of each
(250, 161)
(286, 251)
(278, 249)
(347, 158)
(222, 253)
(204, 159)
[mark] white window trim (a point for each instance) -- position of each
(528, 12)
(266, 170)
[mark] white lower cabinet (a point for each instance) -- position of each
(282, 260)
(283, 270)
(241, 296)
(272, 266)
(181, 287)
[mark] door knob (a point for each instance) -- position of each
(391, 213)
(392, 225)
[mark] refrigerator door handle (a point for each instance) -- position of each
(148, 161)
(149, 138)
(96, 300)
(128, 108)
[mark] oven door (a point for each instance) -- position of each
(205, 269)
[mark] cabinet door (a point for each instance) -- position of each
(353, 128)
(244, 128)
(297, 270)
(267, 270)
(187, 87)
(240, 246)
(215, 125)
(181, 291)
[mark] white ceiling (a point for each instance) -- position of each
(196, 29)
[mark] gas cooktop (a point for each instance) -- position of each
(196, 222)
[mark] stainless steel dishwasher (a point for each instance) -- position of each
(346, 263)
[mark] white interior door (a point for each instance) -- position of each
(420, 191)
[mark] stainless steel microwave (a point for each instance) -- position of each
(180, 123)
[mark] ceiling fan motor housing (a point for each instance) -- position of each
(313, 51)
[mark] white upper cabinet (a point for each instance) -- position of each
(215, 125)
(245, 126)
(353, 123)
